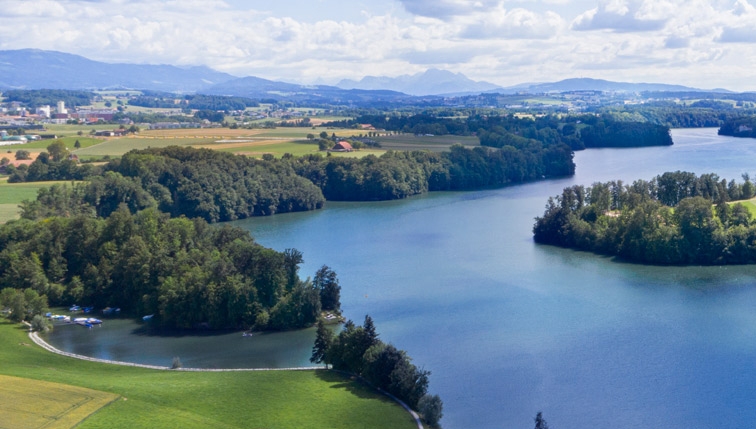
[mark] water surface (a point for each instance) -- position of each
(508, 327)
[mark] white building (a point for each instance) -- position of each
(62, 107)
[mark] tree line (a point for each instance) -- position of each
(184, 271)
(677, 218)
(358, 350)
(193, 101)
(739, 127)
(219, 186)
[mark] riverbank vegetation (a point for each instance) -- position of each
(677, 218)
(167, 399)
(358, 350)
(185, 272)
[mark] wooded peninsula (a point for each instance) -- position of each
(676, 218)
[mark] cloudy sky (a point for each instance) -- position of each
(700, 43)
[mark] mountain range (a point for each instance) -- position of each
(430, 82)
(38, 69)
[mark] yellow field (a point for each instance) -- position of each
(33, 404)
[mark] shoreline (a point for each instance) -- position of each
(42, 343)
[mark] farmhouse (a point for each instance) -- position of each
(342, 146)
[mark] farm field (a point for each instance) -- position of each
(170, 399)
(12, 194)
(432, 143)
(33, 404)
(117, 147)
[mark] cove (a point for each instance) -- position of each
(507, 327)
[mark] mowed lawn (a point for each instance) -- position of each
(35, 404)
(175, 399)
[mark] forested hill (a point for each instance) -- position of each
(677, 218)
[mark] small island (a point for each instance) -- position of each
(677, 218)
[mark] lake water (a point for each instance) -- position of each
(507, 327)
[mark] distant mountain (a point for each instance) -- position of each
(258, 88)
(431, 82)
(588, 84)
(37, 69)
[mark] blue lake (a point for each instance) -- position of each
(507, 327)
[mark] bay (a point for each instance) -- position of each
(508, 327)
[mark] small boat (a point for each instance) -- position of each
(74, 308)
(94, 321)
(248, 334)
(88, 309)
(148, 317)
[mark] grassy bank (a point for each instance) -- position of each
(157, 399)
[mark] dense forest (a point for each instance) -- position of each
(184, 271)
(739, 127)
(677, 218)
(576, 131)
(33, 98)
(193, 101)
(219, 186)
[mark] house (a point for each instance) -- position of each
(342, 146)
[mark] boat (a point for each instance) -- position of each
(74, 308)
(148, 317)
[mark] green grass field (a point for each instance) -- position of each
(174, 399)
(12, 194)
(432, 143)
(749, 204)
(117, 147)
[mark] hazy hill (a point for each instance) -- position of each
(37, 69)
(430, 82)
(588, 84)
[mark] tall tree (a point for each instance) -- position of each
(323, 341)
(327, 283)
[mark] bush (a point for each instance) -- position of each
(40, 324)
(431, 407)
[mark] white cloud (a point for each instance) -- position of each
(699, 42)
(622, 16)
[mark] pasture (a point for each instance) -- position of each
(431, 143)
(12, 194)
(35, 404)
(170, 399)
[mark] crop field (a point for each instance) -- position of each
(33, 404)
(69, 141)
(117, 147)
(157, 399)
(432, 143)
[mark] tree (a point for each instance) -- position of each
(292, 259)
(40, 324)
(310, 136)
(5, 161)
(431, 407)
(22, 155)
(323, 341)
(328, 285)
(58, 150)
(540, 423)
(323, 135)
(77, 144)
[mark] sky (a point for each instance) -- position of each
(704, 44)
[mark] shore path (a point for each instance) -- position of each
(42, 343)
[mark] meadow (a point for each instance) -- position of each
(12, 194)
(169, 399)
(431, 143)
